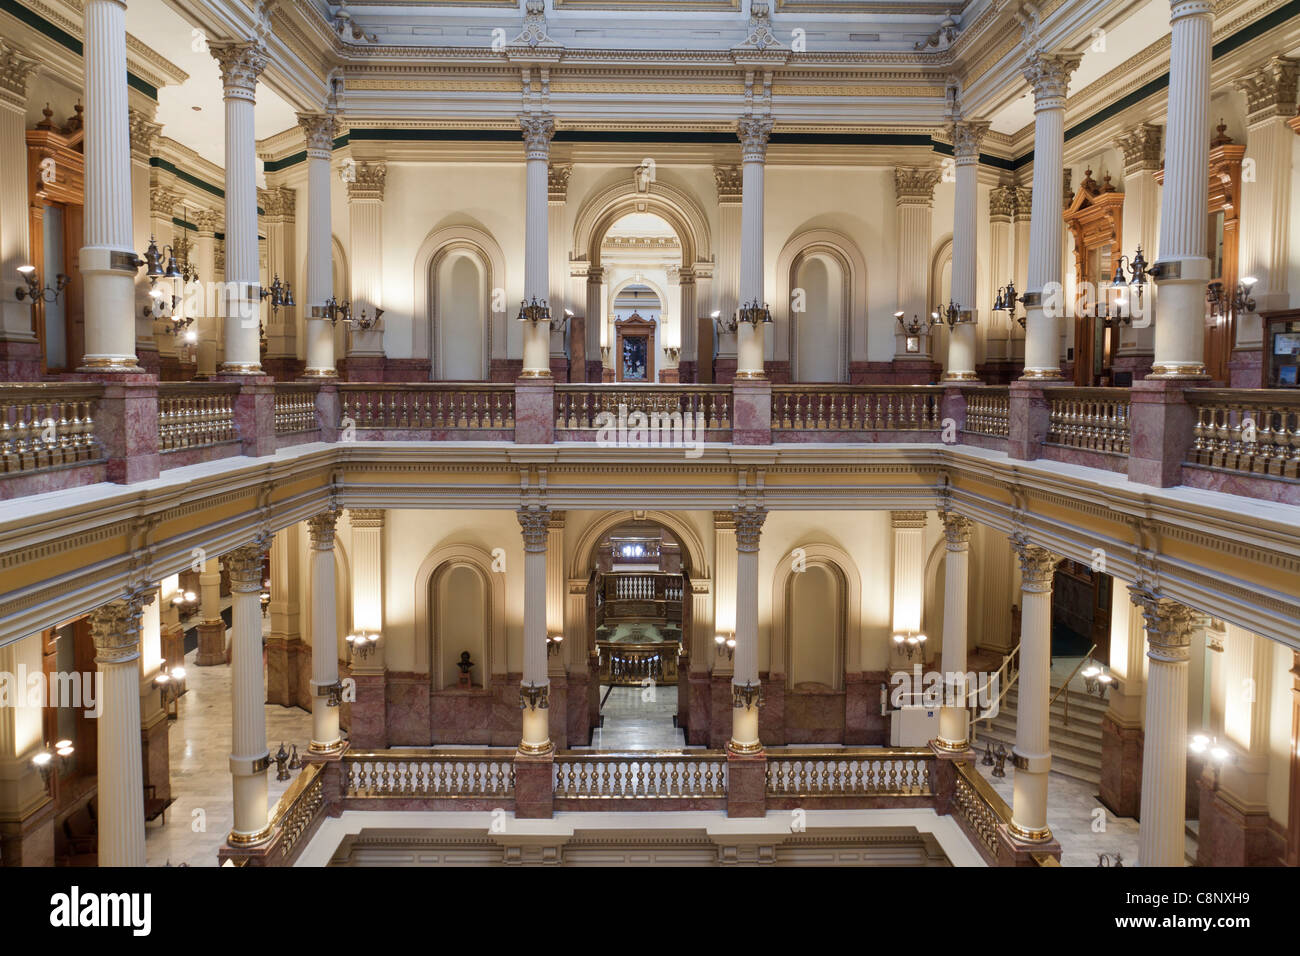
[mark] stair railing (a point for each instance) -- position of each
(1006, 676)
(1065, 688)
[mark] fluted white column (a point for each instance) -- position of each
(1143, 157)
(744, 719)
(325, 737)
(205, 263)
(1032, 751)
(956, 583)
(909, 573)
(1161, 836)
(249, 755)
(538, 130)
(914, 207)
(241, 64)
(319, 129)
(107, 260)
(1183, 265)
(966, 139)
(116, 632)
(754, 132)
(366, 231)
(1049, 75)
(534, 522)
(730, 185)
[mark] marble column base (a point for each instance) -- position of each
(1135, 364)
(1232, 836)
(20, 361)
(282, 368)
(952, 408)
(1014, 852)
(328, 411)
(368, 729)
(593, 371)
(1121, 768)
(904, 371)
(535, 411)
(746, 785)
(156, 758)
(212, 644)
(751, 412)
(943, 776)
(686, 372)
(1160, 428)
(534, 790)
(29, 841)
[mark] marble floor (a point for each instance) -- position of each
(633, 722)
(202, 814)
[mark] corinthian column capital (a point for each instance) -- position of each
(915, 184)
(967, 135)
(320, 128)
(1049, 76)
(241, 64)
(245, 566)
(1270, 91)
(1141, 147)
(538, 128)
(1168, 624)
(321, 527)
(369, 182)
(749, 527)
(115, 629)
(16, 68)
(754, 132)
(957, 529)
(534, 521)
(1037, 565)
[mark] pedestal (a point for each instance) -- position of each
(1121, 768)
(746, 784)
(212, 644)
(534, 791)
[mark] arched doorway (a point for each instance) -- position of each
(638, 613)
(642, 310)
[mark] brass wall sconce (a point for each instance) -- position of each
(1216, 754)
(910, 643)
(364, 322)
(538, 311)
(534, 696)
(746, 696)
(553, 644)
(170, 686)
(281, 295)
(46, 760)
(33, 290)
(913, 327)
(362, 644)
(951, 315)
(726, 644)
(755, 314)
(286, 761)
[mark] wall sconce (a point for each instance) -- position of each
(755, 314)
(1108, 859)
(286, 761)
(33, 289)
(281, 295)
(553, 644)
(909, 642)
(538, 312)
(1242, 302)
(534, 696)
(44, 761)
(726, 644)
(672, 353)
(362, 644)
(915, 327)
(1097, 680)
(266, 596)
(364, 322)
(746, 696)
(186, 603)
(1216, 754)
(951, 315)
(169, 686)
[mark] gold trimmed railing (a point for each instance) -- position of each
(429, 773)
(1251, 431)
(651, 774)
(298, 807)
(849, 772)
(195, 414)
(590, 406)
(450, 406)
(1095, 419)
(978, 805)
(295, 408)
(46, 425)
(856, 407)
(988, 411)
(627, 664)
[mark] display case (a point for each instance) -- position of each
(1281, 363)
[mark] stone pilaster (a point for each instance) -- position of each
(366, 226)
(19, 348)
(914, 209)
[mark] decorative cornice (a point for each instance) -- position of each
(319, 129)
(749, 527)
(241, 65)
(246, 567)
(907, 519)
(115, 629)
(754, 132)
(915, 184)
(366, 517)
(760, 36)
(1168, 624)
(957, 530)
(557, 181)
(534, 35)
(321, 528)
(534, 520)
(1271, 91)
(1141, 147)
(369, 182)
(730, 183)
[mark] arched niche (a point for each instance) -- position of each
(482, 249)
(435, 650)
(459, 323)
(671, 203)
(839, 306)
(836, 580)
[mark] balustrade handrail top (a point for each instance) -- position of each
(982, 387)
(598, 755)
(985, 791)
(638, 387)
(294, 793)
(49, 391)
(1243, 396)
(843, 753)
(426, 386)
(431, 753)
(1093, 392)
(193, 389)
(839, 387)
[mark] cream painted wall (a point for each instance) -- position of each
(1279, 736)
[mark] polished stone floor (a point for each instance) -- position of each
(638, 718)
(202, 815)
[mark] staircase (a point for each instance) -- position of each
(1076, 747)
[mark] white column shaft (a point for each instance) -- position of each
(320, 271)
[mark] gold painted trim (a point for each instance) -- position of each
(951, 746)
(746, 749)
(1042, 375)
(959, 377)
(536, 750)
(250, 839)
(326, 749)
(751, 376)
(1189, 370)
(123, 363)
(321, 373)
(527, 373)
(1030, 836)
(241, 368)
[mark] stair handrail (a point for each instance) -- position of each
(1007, 682)
(1065, 688)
